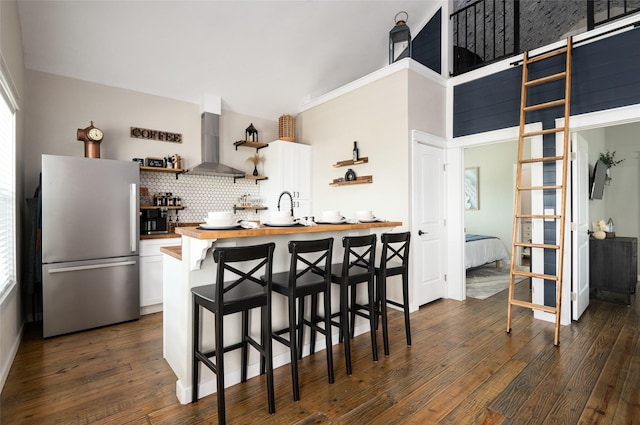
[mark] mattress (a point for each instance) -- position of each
(483, 249)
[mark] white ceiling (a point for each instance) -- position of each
(263, 58)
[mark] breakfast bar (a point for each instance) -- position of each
(193, 266)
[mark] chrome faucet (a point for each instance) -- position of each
(290, 200)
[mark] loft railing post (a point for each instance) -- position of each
(516, 27)
(590, 15)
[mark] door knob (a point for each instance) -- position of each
(420, 233)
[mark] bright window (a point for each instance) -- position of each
(7, 197)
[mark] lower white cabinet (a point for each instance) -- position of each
(151, 273)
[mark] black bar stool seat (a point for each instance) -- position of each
(358, 266)
(235, 291)
(394, 261)
(308, 275)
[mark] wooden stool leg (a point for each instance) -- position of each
(382, 290)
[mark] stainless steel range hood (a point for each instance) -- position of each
(210, 154)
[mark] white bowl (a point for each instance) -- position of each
(331, 216)
(220, 218)
(288, 219)
(280, 214)
(220, 215)
(364, 215)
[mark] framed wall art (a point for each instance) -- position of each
(471, 189)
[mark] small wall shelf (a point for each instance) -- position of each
(249, 144)
(176, 171)
(251, 177)
(358, 180)
(235, 208)
(351, 162)
(160, 207)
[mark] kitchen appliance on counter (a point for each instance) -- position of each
(153, 222)
(90, 229)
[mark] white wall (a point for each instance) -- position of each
(496, 176)
(61, 105)
(375, 117)
(621, 197)
(12, 64)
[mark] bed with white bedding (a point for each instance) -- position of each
(482, 249)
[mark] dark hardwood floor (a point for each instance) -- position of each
(463, 368)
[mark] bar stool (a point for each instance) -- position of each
(309, 275)
(358, 266)
(235, 291)
(394, 261)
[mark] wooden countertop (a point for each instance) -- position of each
(172, 251)
(193, 232)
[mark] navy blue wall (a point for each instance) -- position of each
(605, 75)
(426, 46)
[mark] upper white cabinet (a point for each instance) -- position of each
(288, 166)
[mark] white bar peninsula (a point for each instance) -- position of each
(194, 266)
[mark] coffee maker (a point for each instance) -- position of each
(153, 221)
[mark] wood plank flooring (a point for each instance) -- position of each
(463, 368)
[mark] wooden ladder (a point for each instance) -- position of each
(561, 160)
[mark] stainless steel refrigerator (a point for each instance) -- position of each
(90, 228)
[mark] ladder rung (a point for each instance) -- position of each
(537, 245)
(542, 159)
(546, 131)
(539, 187)
(538, 216)
(544, 105)
(538, 275)
(546, 79)
(547, 55)
(534, 306)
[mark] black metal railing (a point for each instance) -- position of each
(602, 11)
(483, 32)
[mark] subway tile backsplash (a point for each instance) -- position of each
(201, 194)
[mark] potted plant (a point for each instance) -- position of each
(608, 158)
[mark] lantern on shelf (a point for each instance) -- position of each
(400, 39)
(251, 134)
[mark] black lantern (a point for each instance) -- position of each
(400, 39)
(251, 134)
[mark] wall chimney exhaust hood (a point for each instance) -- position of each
(210, 150)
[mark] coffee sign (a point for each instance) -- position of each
(162, 136)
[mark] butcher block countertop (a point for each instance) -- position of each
(193, 232)
(263, 230)
(173, 251)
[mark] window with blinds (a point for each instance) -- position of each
(7, 197)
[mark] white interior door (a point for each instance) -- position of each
(428, 243)
(580, 226)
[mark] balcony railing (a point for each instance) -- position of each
(602, 11)
(483, 32)
(486, 31)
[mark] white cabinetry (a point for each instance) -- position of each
(151, 273)
(288, 166)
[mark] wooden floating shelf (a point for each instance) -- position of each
(159, 207)
(161, 169)
(251, 177)
(235, 208)
(351, 162)
(358, 180)
(249, 144)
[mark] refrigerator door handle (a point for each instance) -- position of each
(91, 267)
(133, 217)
